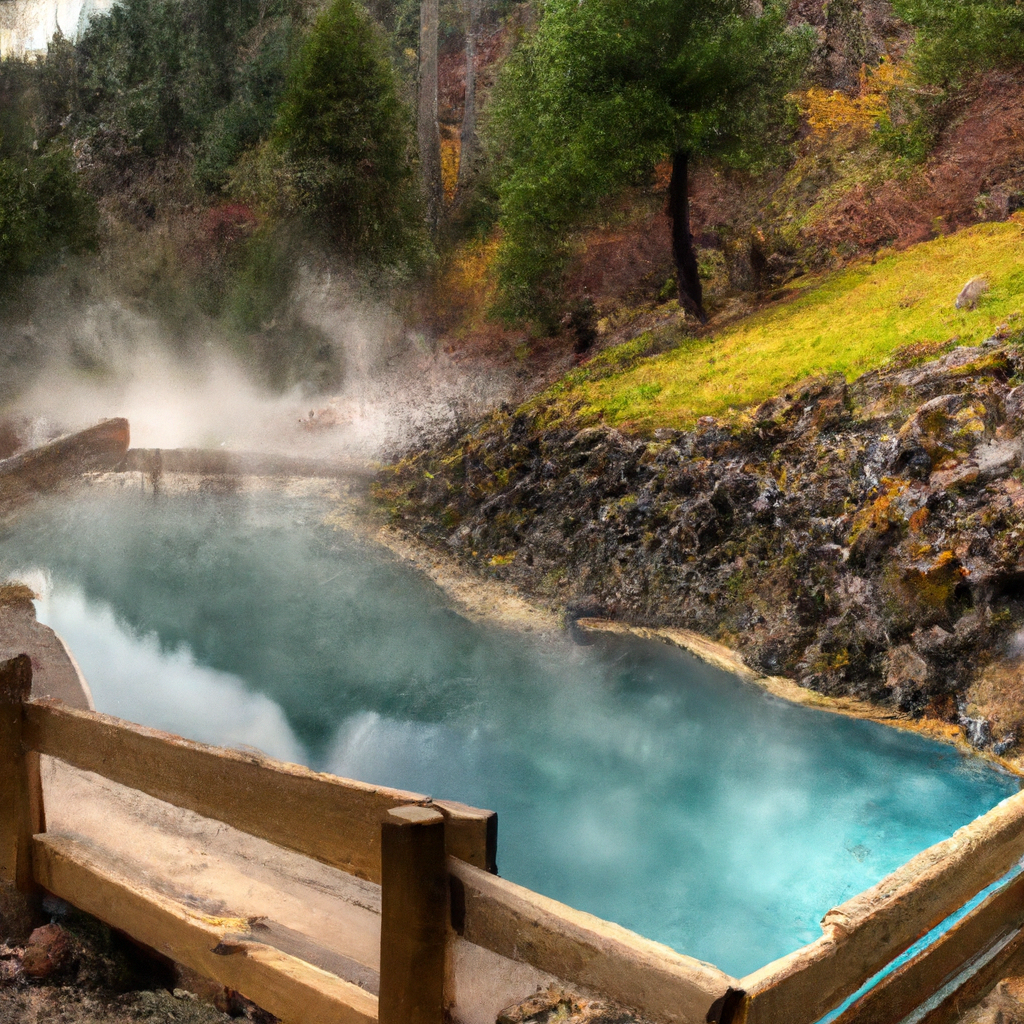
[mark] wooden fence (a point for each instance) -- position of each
(434, 861)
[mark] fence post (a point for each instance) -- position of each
(20, 800)
(414, 917)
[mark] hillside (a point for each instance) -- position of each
(831, 486)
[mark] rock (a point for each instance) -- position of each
(48, 950)
(814, 404)
(1013, 404)
(947, 426)
(558, 1005)
(996, 459)
(915, 462)
(977, 730)
(880, 558)
(971, 293)
(459, 537)
(934, 641)
(1002, 746)
(907, 675)
(962, 474)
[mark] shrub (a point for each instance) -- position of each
(956, 38)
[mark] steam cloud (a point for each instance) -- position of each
(97, 358)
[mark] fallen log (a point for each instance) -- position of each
(219, 462)
(98, 448)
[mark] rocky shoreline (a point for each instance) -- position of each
(861, 540)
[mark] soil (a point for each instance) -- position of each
(79, 971)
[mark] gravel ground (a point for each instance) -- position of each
(76, 970)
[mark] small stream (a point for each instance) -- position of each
(630, 779)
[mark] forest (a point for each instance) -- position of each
(477, 158)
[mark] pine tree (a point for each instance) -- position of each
(346, 137)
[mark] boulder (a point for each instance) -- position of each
(907, 675)
(996, 459)
(48, 949)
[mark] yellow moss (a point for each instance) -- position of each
(833, 115)
(882, 512)
(935, 585)
(849, 322)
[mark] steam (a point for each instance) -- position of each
(96, 358)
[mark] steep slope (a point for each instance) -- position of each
(864, 536)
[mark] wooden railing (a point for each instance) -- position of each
(428, 856)
(434, 861)
(868, 932)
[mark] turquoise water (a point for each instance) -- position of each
(630, 780)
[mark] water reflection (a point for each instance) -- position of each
(630, 780)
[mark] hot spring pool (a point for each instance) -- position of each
(630, 779)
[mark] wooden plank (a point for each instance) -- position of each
(336, 821)
(909, 985)
(20, 790)
(414, 917)
(580, 948)
(295, 991)
(996, 964)
(864, 934)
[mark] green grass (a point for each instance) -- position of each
(848, 323)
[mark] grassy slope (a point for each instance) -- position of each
(849, 322)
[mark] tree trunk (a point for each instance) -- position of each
(691, 295)
(467, 148)
(427, 128)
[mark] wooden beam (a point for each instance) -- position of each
(864, 934)
(414, 917)
(908, 986)
(336, 821)
(1000, 962)
(470, 834)
(291, 989)
(20, 790)
(580, 948)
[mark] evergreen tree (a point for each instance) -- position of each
(346, 138)
(45, 212)
(601, 91)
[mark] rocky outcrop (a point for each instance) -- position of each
(864, 539)
(55, 673)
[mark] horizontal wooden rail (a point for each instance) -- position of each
(525, 926)
(336, 821)
(870, 930)
(999, 915)
(295, 991)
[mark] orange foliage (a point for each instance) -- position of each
(834, 115)
(451, 148)
(467, 283)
